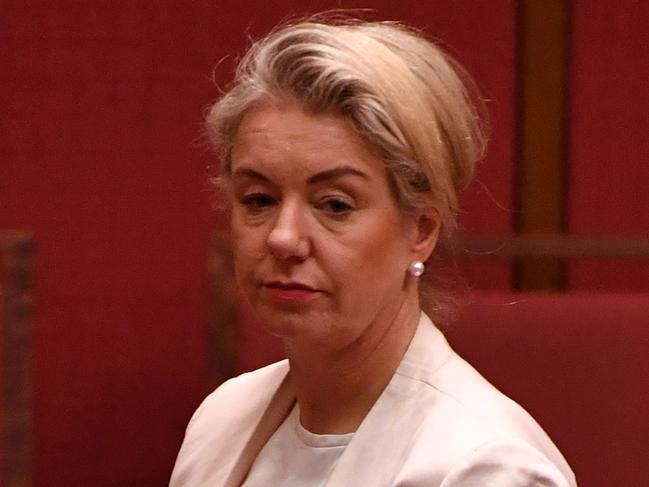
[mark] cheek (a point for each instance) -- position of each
(384, 243)
(375, 257)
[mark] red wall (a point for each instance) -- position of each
(102, 104)
(609, 146)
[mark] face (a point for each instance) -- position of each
(321, 248)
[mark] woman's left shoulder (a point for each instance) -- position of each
(474, 430)
(461, 417)
(507, 463)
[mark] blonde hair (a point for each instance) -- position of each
(401, 92)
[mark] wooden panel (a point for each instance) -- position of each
(478, 247)
(223, 332)
(540, 179)
(16, 406)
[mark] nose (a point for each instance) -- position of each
(288, 236)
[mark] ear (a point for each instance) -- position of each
(428, 225)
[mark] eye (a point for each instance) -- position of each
(336, 206)
(256, 202)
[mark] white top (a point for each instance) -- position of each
(295, 457)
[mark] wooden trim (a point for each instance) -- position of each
(16, 251)
(223, 322)
(541, 181)
(552, 247)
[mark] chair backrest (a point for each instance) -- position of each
(579, 364)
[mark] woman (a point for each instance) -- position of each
(344, 144)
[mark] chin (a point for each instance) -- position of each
(281, 323)
(296, 326)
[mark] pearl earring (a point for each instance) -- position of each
(416, 268)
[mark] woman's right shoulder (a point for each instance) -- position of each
(221, 425)
(240, 397)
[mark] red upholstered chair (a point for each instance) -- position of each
(579, 363)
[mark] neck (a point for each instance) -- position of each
(336, 389)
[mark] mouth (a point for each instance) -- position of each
(290, 291)
(289, 285)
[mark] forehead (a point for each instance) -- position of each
(288, 135)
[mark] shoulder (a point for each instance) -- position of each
(221, 425)
(250, 392)
(468, 420)
(478, 436)
(506, 463)
(457, 398)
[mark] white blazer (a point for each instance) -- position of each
(437, 423)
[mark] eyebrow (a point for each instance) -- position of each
(251, 173)
(336, 172)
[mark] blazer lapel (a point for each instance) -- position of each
(382, 443)
(277, 410)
